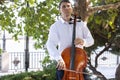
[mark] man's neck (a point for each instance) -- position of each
(66, 19)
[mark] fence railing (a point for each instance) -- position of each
(17, 60)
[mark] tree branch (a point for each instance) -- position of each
(92, 10)
(101, 52)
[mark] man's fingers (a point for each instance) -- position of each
(60, 65)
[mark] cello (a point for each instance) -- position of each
(75, 59)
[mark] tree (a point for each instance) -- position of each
(35, 20)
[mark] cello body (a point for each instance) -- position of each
(80, 63)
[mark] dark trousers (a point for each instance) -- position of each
(60, 73)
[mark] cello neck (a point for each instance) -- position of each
(73, 45)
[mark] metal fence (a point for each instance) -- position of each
(17, 60)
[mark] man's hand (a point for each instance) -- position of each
(79, 41)
(60, 65)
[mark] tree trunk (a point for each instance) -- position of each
(117, 74)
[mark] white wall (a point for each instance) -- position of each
(16, 46)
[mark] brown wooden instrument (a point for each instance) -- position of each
(75, 59)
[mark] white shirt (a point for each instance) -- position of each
(60, 37)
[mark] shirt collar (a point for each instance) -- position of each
(62, 20)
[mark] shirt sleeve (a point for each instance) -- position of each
(87, 36)
(52, 44)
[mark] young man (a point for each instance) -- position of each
(60, 36)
